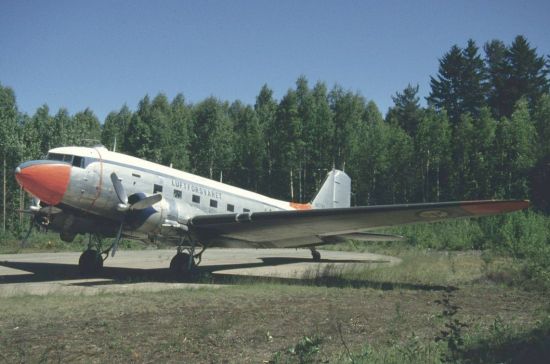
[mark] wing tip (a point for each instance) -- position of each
(495, 207)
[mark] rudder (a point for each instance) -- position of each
(335, 191)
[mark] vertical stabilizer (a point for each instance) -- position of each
(335, 191)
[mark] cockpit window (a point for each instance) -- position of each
(74, 160)
(55, 157)
(78, 161)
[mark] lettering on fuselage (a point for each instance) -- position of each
(196, 189)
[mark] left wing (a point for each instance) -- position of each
(301, 228)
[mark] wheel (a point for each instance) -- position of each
(316, 256)
(90, 262)
(179, 265)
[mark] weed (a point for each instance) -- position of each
(306, 348)
(452, 332)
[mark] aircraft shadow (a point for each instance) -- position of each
(209, 274)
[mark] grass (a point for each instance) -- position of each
(50, 242)
(355, 314)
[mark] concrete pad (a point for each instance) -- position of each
(147, 270)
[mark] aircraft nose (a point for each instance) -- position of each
(47, 180)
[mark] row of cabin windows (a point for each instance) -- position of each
(197, 199)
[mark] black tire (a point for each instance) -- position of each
(179, 265)
(316, 256)
(90, 263)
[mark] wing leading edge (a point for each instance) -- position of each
(300, 228)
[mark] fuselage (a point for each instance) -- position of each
(78, 178)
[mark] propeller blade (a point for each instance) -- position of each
(24, 241)
(146, 202)
(26, 211)
(117, 239)
(50, 210)
(119, 189)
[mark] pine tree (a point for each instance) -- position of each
(446, 88)
(461, 85)
(406, 112)
(516, 72)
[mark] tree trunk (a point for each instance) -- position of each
(291, 187)
(4, 196)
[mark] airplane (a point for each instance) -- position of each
(91, 190)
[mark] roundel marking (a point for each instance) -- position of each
(433, 214)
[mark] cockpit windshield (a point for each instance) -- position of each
(72, 159)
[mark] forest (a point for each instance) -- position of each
(482, 135)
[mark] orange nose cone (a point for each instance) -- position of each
(47, 181)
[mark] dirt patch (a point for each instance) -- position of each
(238, 323)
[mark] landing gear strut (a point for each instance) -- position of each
(315, 255)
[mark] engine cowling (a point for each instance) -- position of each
(148, 220)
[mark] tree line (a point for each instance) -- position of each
(482, 135)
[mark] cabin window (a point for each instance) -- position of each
(136, 175)
(230, 207)
(177, 193)
(157, 189)
(246, 210)
(78, 161)
(213, 203)
(196, 199)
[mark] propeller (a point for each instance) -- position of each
(125, 207)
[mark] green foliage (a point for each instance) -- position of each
(483, 136)
(515, 72)
(306, 348)
(461, 85)
(451, 334)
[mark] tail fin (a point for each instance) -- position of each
(335, 192)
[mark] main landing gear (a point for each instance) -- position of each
(182, 264)
(186, 260)
(91, 260)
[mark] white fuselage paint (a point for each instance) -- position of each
(90, 188)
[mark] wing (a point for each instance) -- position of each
(301, 228)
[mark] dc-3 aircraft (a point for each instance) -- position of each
(80, 190)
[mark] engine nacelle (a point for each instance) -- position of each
(149, 220)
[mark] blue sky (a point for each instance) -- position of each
(102, 54)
